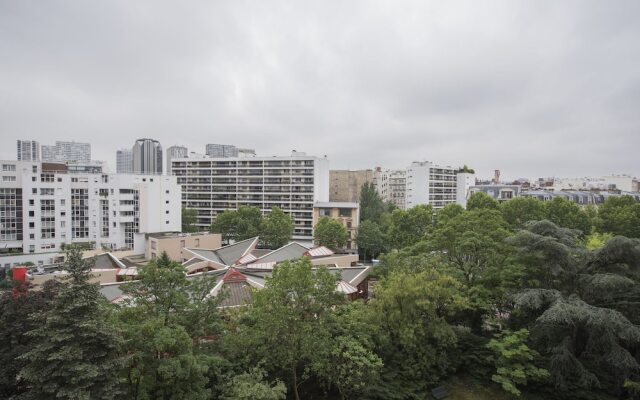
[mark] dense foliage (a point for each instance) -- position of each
(539, 300)
(275, 229)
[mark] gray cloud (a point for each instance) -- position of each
(532, 88)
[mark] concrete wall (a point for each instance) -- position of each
(174, 245)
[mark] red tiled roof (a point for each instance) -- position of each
(233, 275)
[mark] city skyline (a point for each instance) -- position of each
(532, 89)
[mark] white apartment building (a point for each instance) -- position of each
(294, 183)
(28, 150)
(45, 206)
(175, 152)
(124, 161)
(624, 183)
(67, 151)
(428, 183)
(464, 181)
(391, 185)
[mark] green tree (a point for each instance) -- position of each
(447, 212)
(251, 385)
(286, 326)
(165, 322)
(74, 351)
(236, 225)
(16, 308)
(567, 214)
(371, 205)
(407, 227)
(330, 233)
(481, 200)
(370, 239)
(189, 216)
(276, 229)
(597, 240)
(521, 210)
(621, 216)
(515, 361)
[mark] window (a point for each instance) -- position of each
(166, 212)
(33, 179)
(166, 202)
(325, 212)
(47, 191)
(34, 168)
(32, 236)
(62, 202)
(167, 192)
(32, 225)
(8, 179)
(344, 212)
(32, 213)
(31, 202)
(34, 191)
(59, 179)
(8, 167)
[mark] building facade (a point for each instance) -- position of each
(345, 185)
(147, 157)
(464, 181)
(295, 183)
(391, 185)
(498, 192)
(428, 183)
(124, 161)
(347, 213)
(221, 150)
(175, 152)
(174, 244)
(28, 150)
(67, 151)
(43, 207)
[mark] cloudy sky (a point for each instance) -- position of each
(534, 88)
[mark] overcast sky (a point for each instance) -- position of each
(533, 88)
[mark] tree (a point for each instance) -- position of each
(251, 385)
(189, 216)
(330, 233)
(165, 321)
(521, 210)
(286, 325)
(481, 200)
(236, 225)
(567, 214)
(515, 361)
(370, 239)
(447, 212)
(16, 308)
(74, 350)
(621, 216)
(371, 205)
(276, 229)
(407, 227)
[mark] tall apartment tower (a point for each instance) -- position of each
(222, 150)
(175, 152)
(295, 183)
(147, 157)
(67, 152)
(124, 161)
(428, 183)
(28, 150)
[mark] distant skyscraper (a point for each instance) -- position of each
(124, 161)
(175, 152)
(222, 150)
(147, 157)
(67, 152)
(28, 150)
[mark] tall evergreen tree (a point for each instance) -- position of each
(74, 351)
(371, 205)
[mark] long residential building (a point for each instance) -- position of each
(294, 183)
(175, 152)
(44, 206)
(124, 161)
(66, 151)
(27, 150)
(391, 185)
(435, 185)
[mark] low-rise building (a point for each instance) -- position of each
(348, 214)
(497, 192)
(174, 243)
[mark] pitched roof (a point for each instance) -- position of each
(236, 294)
(227, 255)
(319, 252)
(344, 287)
(290, 251)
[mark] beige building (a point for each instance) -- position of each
(391, 185)
(345, 185)
(347, 213)
(174, 244)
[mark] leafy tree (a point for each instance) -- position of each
(16, 307)
(189, 216)
(412, 311)
(481, 200)
(370, 239)
(165, 321)
(515, 361)
(597, 240)
(407, 227)
(621, 216)
(371, 205)
(521, 210)
(286, 325)
(252, 386)
(447, 212)
(74, 351)
(567, 214)
(276, 229)
(330, 233)
(236, 225)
